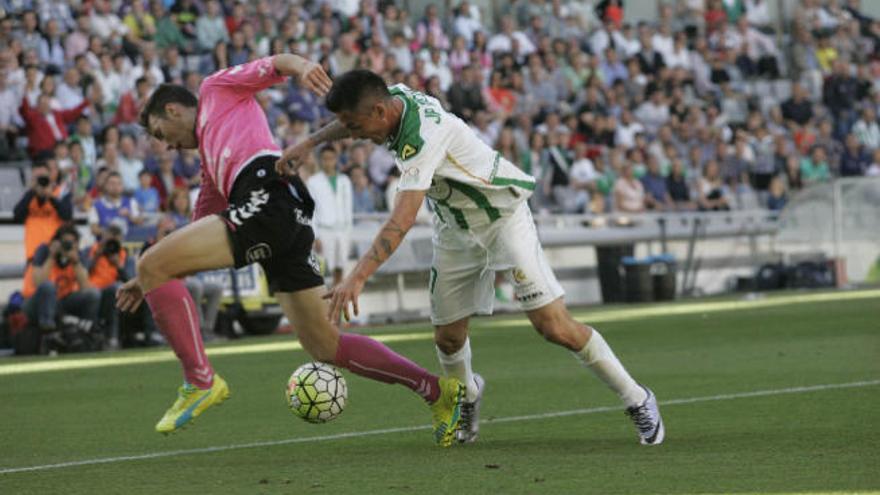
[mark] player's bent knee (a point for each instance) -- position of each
(149, 272)
(448, 341)
(321, 342)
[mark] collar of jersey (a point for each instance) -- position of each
(392, 141)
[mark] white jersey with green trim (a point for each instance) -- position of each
(467, 182)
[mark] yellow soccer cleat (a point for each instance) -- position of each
(446, 411)
(191, 402)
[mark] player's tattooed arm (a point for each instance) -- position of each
(295, 156)
(403, 216)
(406, 206)
(386, 242)
(330, 132)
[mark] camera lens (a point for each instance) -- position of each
(43, 181)
(112, 247)
(66, 245)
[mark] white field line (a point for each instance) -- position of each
(405, 429)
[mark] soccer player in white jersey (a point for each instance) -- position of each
(482, 224)
(246, 213)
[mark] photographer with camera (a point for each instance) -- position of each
(56, 283)
(107, 265)
(40, 211)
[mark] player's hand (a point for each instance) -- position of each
(313, 78)
(293, 158)
(129, 296)
(341, 296)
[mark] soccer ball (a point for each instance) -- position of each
(316, 392)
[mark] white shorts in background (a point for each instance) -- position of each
(335, 247)
(462, 276)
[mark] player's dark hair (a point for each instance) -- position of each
(353, 87)
(165, 94)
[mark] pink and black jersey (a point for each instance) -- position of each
(231, 128)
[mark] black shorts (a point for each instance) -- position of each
(268, 221)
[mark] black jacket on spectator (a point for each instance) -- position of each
(800, 112)
(854, 164)
(678, 189)
(651, 62)
(719, 76)
(465, 97)
(63, 206)
(840, 93)
(561, 163)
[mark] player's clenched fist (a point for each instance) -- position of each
(293, 158)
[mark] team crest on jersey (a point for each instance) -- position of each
(407, 151)
(519, 276)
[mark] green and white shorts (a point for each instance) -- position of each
(465, 261)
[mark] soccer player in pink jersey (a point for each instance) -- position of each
(247, 213)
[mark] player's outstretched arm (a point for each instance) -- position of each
(403, 216)
(295, 156)
(309, 74)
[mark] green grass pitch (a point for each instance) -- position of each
(776, 395)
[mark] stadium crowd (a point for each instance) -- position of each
(710, 106)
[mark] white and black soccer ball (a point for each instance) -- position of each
(316, 392)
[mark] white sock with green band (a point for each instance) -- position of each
(597, 356)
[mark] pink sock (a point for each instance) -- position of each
(370, 358)
(174, 312)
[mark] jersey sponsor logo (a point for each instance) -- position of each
(530, 296)
(239, 214)
(526, 290)
(302, 217)
(407, 151)
(261, 251)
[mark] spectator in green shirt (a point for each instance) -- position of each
(814, 168)
(167, 31)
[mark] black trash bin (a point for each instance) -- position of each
(608, 265)
(638, 285)
(663, 273)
